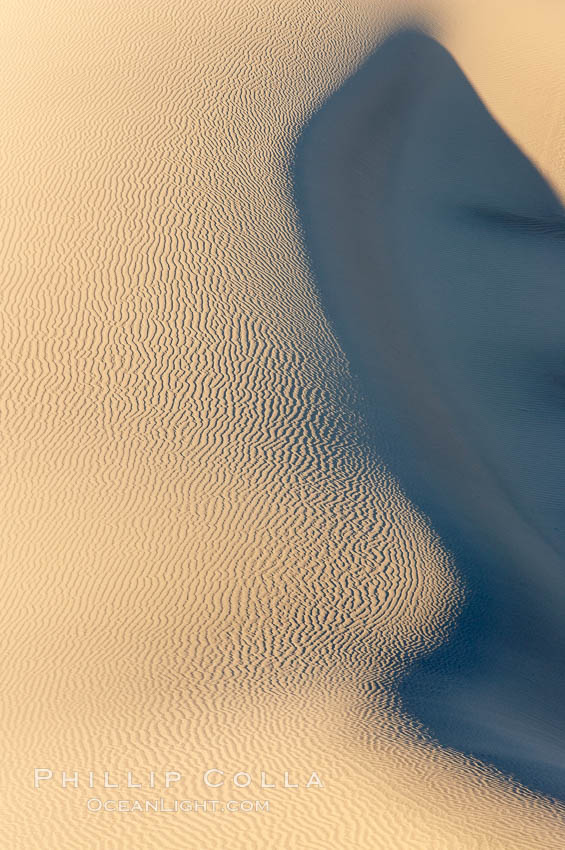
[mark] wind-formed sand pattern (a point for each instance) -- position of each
(206, 562)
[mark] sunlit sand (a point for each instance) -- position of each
(208, 562)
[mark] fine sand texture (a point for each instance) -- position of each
(206, 562)
(440, 251)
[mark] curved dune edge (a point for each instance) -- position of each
(497, 695)
(202, 559)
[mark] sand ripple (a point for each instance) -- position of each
(204, 563)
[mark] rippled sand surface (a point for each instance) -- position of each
(205, 563)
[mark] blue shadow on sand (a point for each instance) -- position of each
(439, 253)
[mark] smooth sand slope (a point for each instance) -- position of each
(440, 252)
(204, 561)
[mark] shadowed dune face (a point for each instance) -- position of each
(440, 255)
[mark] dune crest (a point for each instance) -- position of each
(439, 250)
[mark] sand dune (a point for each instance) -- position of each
(206, 562)
(441, 249)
